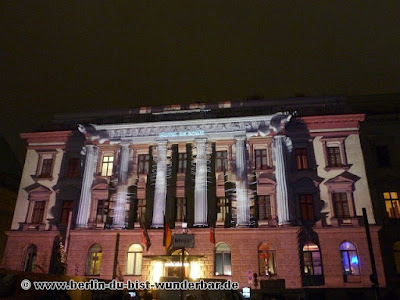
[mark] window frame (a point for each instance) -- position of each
(312, 260)
(108, 171)
(343, 204)
(92, 262)
(222, 255)
(142, 167)
(180, 209)
(301, 158)
(390, 198)
(346, 258)
(45, 156)
(66, 207)
(396, 254)
(266, 251)
(182, 162)
(137, 260)
(265, 202)
(306, 201)
(335, 142)
(73, 167)
(221, 160)
(259, 159)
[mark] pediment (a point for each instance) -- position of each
(266, 178)
(37, 188)
(100, 184)
(343, 178)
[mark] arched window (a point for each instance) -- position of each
(94, 260)
(348, 254)
(223, 260)
(266, 259)
(29, 259)
(134, 260)
(312, 259)
(396, 252)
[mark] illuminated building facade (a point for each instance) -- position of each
(281, 187)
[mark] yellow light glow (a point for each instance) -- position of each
(194, 270)
(176, 264)
(157, 271)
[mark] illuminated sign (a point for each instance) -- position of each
(182, 133)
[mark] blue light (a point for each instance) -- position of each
(354, 260)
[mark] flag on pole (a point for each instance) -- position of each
(167, 241)
(212, 235)
(145, 236)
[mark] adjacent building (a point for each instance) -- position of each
(272, 192)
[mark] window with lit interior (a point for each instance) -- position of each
(134, 260)
(396, 253)
(312, 259)
(266, 259)
(107, 165)
(392, 204)
(94, 259)
(349, 257)
(223, 260)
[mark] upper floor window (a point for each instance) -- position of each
(341, 205)
(45, 165)
(143, 163)
(141, 210)
(264, 207)
(221, 161)
(73, 167)
(100, 211)
(107, 165)
(261, 159)
(334, 150)
(350, 263)
(223, 260)
(301, 158)
(382, 155)
(222, 209)
(94, 259)
(180, 209)
(266, 259)
(307, 207)
(134, 260)
(396, 252)
(182, 162)
(392, 204)
(66, 208)
(29, 259)
(312, 259)
(38, 212)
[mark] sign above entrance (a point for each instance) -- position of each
(183, 240)
(181, 133)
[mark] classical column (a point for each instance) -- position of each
(242, 197)
(160, 192)
(282, 197)
(200, 189)
(122, 188)
(86, 191)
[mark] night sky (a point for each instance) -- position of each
(92, 55)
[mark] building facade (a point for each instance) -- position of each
(273, 198)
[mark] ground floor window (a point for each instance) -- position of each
(94, 260)
(223, 260)
(29, 259)
(134, 260)
(312, 260)
(266, 259)
(349, 257)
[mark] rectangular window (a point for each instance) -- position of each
(301, 158)
(221, 161)
(141, 210)
(307, 207)
(334, 159)
(264, 207)
(182, 162)
(107, 165)
(47, 164)
(100, 211)
(260, 158)
(66, 208)
(341, 205)
(392, 204)
(38, 212)
(73, 167)
(222, 209)
(382, 155)
(143, 163)
(180, 209)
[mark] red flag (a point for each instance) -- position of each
(145, 236)
(212, 235)
(167, 241)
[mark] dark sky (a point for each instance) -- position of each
(91, 55)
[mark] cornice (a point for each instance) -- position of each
(50, 138)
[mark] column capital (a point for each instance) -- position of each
(200, 140)
(240, 137)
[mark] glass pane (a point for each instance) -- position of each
(393, 195)
(130, 261)
(218, 263)
(138, 265)
(386, 195)
(227, 264)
